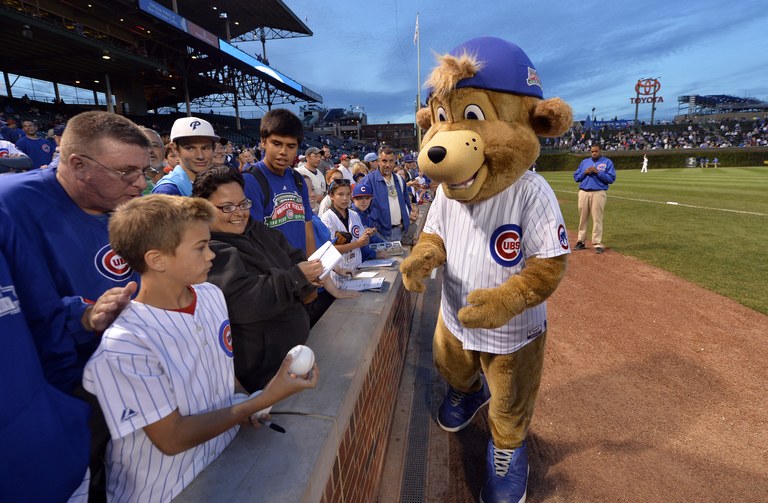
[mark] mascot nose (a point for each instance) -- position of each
(436, 154)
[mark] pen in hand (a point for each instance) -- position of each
(272, 425)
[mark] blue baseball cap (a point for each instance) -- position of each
(362, 190)
(506, 68)
(409, 158)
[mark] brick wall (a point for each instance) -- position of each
(360, 458)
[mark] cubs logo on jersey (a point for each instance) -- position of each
(506, 245)
(225, 338)
(356, 231)
(111, 265)
(562, 236)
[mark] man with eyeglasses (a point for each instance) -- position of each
(156, 158)
(193, 140)
(69, 282)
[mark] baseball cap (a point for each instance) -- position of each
(312, 150)
(343, 156)
(505, 67)
(59, 130)
(370, 157)
(409, 158)
(187, 127)
(362, 190)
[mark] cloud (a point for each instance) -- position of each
(590, 52)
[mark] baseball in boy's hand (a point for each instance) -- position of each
(303, 360)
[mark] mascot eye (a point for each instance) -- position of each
(441, 115)
(473, 112)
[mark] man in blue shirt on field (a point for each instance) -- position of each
(594, 175)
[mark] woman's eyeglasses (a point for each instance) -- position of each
(230, 208)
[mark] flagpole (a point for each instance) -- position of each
(418, 81)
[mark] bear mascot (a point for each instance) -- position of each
(497, 229)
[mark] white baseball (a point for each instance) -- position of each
(303, 360)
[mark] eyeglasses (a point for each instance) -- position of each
(339, 183)
(127, 176)
(230, 208)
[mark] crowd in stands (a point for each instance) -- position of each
(46, 117)
(132, 233)
(715, 134)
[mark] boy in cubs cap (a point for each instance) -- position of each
(362, 190)
(362, 195)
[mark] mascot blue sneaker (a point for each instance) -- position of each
(496, 229)
(458, 409)
(507, 475)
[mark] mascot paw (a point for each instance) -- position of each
(490, 308)
(414, 269)
(413, 284)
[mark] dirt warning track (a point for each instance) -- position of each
(654, 389)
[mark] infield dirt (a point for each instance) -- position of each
(654, 389)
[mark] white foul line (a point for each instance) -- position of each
(679, 204)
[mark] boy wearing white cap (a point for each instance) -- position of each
(193, 141)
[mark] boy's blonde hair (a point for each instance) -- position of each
(154, 222)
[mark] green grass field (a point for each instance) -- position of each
(714, 236)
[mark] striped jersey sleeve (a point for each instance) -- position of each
(129, 380)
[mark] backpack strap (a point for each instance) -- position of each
(264, 184)
(299, 180)
(262, 181)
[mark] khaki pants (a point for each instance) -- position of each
(513, 380)
(591, 203)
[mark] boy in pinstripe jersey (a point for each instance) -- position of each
(163, 372)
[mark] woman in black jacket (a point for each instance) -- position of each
(263, 278)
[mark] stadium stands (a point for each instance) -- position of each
(713, 134)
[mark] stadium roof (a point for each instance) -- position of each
(720, 103)
(244, 16)
(41, 47)
(719, 99)
(119, 39)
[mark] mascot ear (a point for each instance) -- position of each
(551, 118)
(424, 118)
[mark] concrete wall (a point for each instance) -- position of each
(336, 437)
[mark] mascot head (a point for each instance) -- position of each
(485, 111)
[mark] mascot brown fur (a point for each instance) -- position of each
(498, 230)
